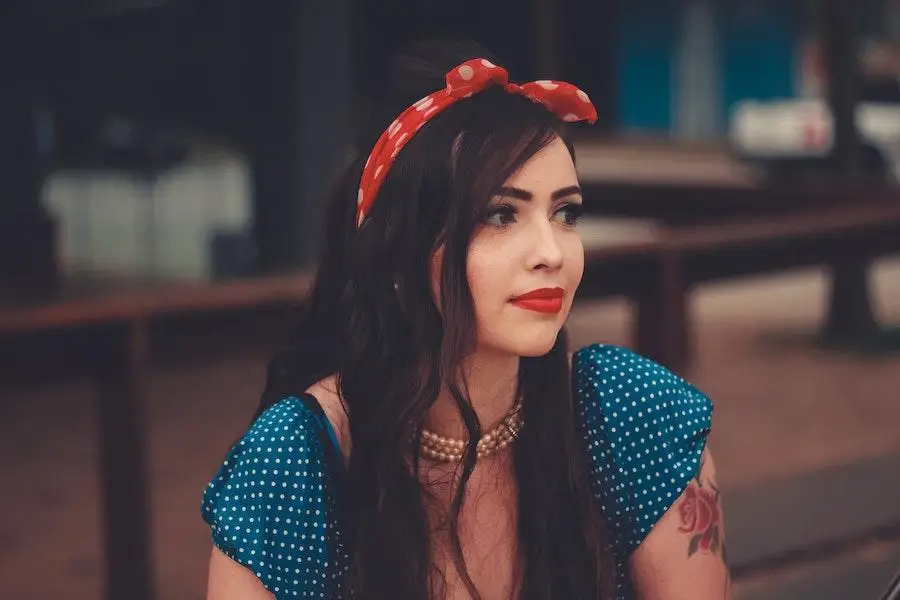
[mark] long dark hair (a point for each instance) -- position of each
(371, 320)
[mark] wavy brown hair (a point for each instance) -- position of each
(393, 351)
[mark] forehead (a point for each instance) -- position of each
(549, 169)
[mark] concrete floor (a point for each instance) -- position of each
(782, 409)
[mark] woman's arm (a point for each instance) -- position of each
(684, 555)
(230, 581)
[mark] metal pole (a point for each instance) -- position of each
(298, 130)
(850, 316)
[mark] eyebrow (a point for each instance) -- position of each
(520, 194)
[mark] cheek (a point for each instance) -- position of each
(487, 273)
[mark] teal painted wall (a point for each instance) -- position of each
(646, 43)
(757, 45)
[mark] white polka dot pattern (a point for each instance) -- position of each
(272, 509)
(473, 76)
(645, 429)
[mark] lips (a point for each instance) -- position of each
(543, 300)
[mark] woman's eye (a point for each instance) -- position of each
(569, 214)
(500, 216)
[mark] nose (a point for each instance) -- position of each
(546, 251)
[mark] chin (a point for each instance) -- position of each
(526, 342)
(533, 351)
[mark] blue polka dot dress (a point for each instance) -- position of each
(273, 507)
(645, 430)
(275, 504)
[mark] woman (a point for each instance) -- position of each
(425, 435)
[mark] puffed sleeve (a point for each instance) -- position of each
(645, 430)
(272, 506)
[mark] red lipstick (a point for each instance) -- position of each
(543, 300)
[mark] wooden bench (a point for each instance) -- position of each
(100, 331)
(658, 270)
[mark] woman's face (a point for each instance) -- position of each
(526, 259)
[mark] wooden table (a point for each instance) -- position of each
(696, 196)
(665, 261)
(100, 331)
(680, 185)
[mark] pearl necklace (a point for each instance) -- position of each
(443, 449)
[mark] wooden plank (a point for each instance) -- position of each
(825, 221)
(614, 237)
(235, 294)
(123, 465)
(152, 300)
(814, 234)
(662, 326)
(623, 257)
(657, 269)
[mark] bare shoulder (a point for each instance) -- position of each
(327, 393)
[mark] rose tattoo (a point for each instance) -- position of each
(701, 518)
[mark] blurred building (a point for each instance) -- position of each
(188, 138)
(684, 65)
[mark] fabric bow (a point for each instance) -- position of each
(563, 99)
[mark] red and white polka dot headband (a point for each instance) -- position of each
(562, 99)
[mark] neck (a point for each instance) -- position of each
(490, 382)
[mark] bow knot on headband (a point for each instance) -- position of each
(563, 99)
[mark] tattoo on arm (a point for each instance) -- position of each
(700, 511)
(701, 515)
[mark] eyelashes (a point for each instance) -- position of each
(500, 215)
(504, 215)
(573, 213)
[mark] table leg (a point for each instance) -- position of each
(123, 466)
(662, 321)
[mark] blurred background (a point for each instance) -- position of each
(163, 168)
